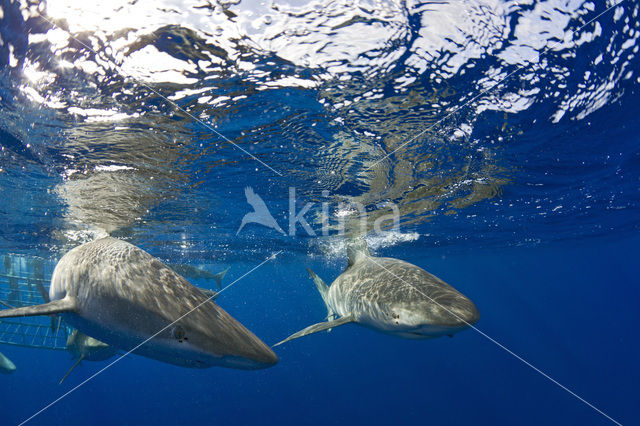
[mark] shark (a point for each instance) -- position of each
(199, 273)
(391, 296)
(86, 348)
(119, 294)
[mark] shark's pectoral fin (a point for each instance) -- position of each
(54, 307)
(319, 327)
(75, 364)
(331, 317)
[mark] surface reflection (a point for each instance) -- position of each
(319, 90)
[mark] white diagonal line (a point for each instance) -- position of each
(501, 346)
(172, 103)
(482, 92)
(273, 256)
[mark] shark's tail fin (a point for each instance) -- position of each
(219, 276)
(323, 289)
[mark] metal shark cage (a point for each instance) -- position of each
(24, 281)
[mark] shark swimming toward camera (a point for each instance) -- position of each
(391, 296)
(86, 348)
(121, 295)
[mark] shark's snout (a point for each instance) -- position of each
(470, 315)
(256, 359)
(432, 318)
(459, 312)
(263, 356)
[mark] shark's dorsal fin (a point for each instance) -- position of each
(323, 289)
(319, 327)
(72, 368)
(67, 304)
(357, 249)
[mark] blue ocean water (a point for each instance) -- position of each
(503, 136)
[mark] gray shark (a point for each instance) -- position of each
(391, 296)
(121, 295)
(195, 272)
(6, 366)
(83, 347)
(86, 348)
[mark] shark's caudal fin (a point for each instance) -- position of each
(54, 307)
(356, 250)
(318, 327)
(323, 289)
(71, 369)
(219, 276)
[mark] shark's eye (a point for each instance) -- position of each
(178, 333)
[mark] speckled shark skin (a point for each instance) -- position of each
(121, 295)
(396, 297)
(391, 296)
